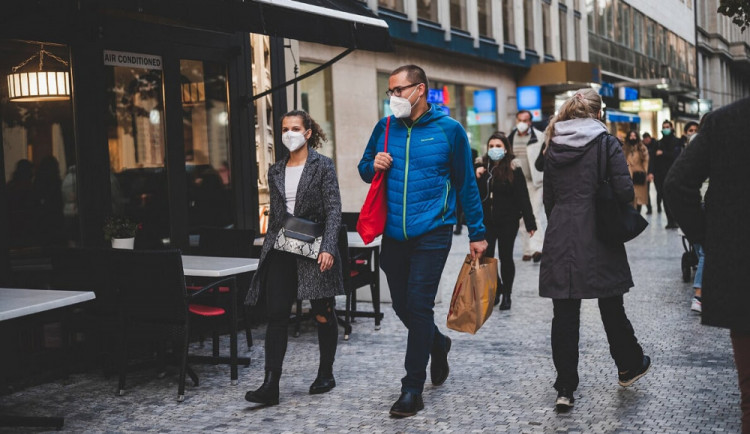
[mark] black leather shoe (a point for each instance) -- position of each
(505, 305)
(408, 404)
(268, 392)
(537, 256)
(322, 384)
(439, 368)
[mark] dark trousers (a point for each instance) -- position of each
(413, 269)
(623, 345)
(505, 237)
(648, 196)
(741, 344)
(281, 293)
(659, 183)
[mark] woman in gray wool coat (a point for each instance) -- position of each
(303, 184)
(576, 264)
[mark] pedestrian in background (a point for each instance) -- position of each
(302, 184)
(527, 144)
(721, 152)
(667, 151)
(505, 200)
(577, 264)
(428, 166)
(636, 155)
(651, 146)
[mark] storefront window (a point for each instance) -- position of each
(485, 18)
(394, 5)
(316, 93)
(528, 13)
(205, 123)
(509, 35)
(135, 132)
(564, 35)
(427, 10)
(39, 150)
(458, 14)
(546, 28)
(264, 141)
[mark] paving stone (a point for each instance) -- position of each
(501, 378)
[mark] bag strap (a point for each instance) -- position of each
(599, 179)
(387, 128)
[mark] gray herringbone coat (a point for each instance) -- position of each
(318, 199)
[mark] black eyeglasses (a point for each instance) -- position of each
(398, 89)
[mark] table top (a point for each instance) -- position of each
(16, 302)
(215, 266)
(353, 239)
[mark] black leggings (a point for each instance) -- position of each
(281, 293)
(505, 237)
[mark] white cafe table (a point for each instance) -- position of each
(17, 303)
(221, 267)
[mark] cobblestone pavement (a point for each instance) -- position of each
(500, 381)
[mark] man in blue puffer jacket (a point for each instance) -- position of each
(428, 164)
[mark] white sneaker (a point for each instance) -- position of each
(696, 305)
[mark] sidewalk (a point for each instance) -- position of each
(501, 379)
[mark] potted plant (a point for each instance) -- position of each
(121, 231)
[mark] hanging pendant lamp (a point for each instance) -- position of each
(41, 85)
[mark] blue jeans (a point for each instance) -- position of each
(413, 269)
(698, 281)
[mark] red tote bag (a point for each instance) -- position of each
(372, 217)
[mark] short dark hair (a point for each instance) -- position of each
(531, 117)
(646, 135)
(691, 124)
(667, 121)
(414, 74)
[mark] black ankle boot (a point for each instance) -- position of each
(268, 392)
(322, 384)
(505, 304)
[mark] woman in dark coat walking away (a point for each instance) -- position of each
(721, 152)
(303, 184)
(576, 264)
(505, 199)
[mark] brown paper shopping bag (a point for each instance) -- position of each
(474, 295)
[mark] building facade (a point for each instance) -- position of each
(723, 57)
(646, 51)
(473, 51)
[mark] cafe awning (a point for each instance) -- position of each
(344, 23)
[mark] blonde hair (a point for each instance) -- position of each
(585, 103)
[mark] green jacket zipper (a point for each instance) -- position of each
(406, 170)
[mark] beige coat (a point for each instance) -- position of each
(637, 157)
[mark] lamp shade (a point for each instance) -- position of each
(39, 86)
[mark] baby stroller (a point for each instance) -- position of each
(689, 259)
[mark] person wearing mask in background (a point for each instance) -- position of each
(505, 200)
(577, 264)
(721, 153)
(303, 184)
(691, 129)
(637, 156)
(651, 146)
(427, 167)
(526, 142)
(667, 151)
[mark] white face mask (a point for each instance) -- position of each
(522, 127)
(401, 107)
(293, 140)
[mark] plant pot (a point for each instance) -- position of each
(123, 243)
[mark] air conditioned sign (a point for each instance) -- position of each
(133, 60)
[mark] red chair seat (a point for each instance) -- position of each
(203, 310)
(222, 289)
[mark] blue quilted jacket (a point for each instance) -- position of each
(431, 166)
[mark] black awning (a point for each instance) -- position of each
(343, 23)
